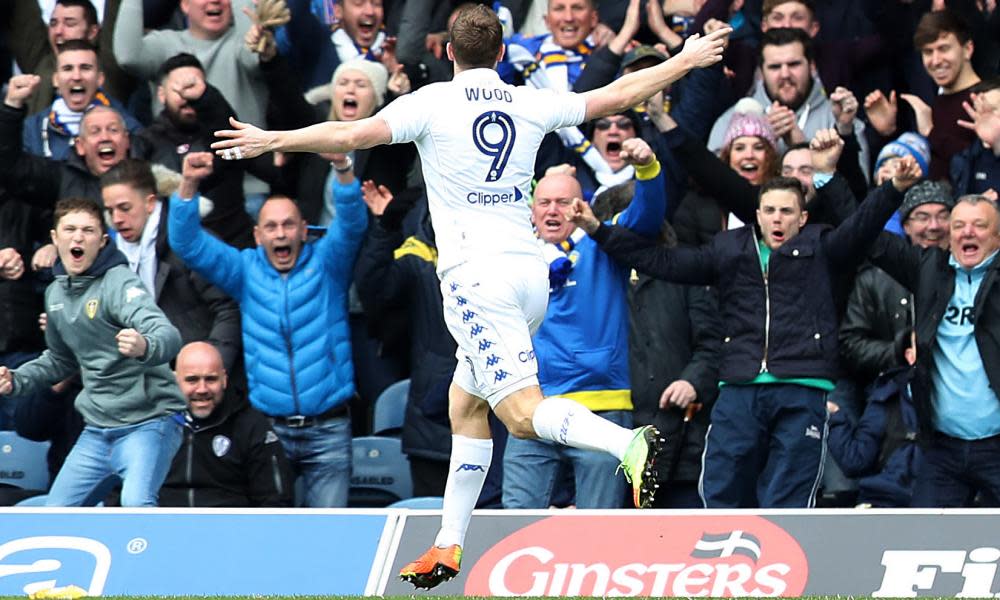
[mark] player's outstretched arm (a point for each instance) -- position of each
(634, 88)
(248, 141)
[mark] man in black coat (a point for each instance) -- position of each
(230, 456)
(199, 310)
(777, 288)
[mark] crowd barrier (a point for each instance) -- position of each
(153, 552)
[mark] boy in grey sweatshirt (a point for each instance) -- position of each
(102, 322)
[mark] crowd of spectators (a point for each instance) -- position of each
(839, 348)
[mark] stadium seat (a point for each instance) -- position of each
(23, 462)
(425, 502)
(381, 472)
(390, 409)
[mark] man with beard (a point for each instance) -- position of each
(230, 456)
(293, 302)
(192, 111)
(797, 106)
(79, 82)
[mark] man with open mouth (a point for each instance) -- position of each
(955, 322)
(293, 304)
(78, 80)
(777, 283)
(103, 323)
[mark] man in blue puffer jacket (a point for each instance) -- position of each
(293, 301)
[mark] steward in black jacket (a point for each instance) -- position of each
(230, 457)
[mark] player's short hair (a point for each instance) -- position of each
(783, 36)
(132, 172)
(476, 37)
(89, 12)
(935, 24)
(77, 204)
(790, 184)
(177, 61)
(769, 5)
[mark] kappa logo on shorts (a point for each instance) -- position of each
(470, 467)
(461, 301)
(476, 329)
(454, 286)
(485, 345)
(492, 360)
(500, 375)
(468, 316)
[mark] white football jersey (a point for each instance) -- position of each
(477, 137)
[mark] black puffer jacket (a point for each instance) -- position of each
(231, 459)
(786, 323)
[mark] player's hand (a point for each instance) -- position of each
(243, 141)
(376, 197)
(679, 393)
(825, 150)
(882, 112)
(908, 172)
(131, 343)
(20, 88)
(6, 381)
(196, 167)
(580, 213)
(705, 51)
(635, 151)
(845, 108)
(44, 257)
(11, 264)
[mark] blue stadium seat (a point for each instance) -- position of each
(22, 462)
(424, 502)
(390, 409)
(381, 472)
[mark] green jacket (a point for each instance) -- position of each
(85, 313)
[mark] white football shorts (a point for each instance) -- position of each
(492, 308)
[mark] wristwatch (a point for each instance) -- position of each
(347, 166)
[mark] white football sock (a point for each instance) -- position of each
(570, 423)
(470, 461)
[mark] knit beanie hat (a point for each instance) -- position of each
(748, 120)
(374, 71)
(908, 144)
(926, 192)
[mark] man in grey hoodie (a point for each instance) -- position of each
(102, 322)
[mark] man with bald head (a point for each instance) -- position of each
(293, 305)
(230, 456)
(957, 326)
(586, 288)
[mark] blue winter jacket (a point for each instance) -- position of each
(296, 337)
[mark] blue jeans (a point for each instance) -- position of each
(321, 456)
(140, 455)
(953, 470)
(531, 471)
